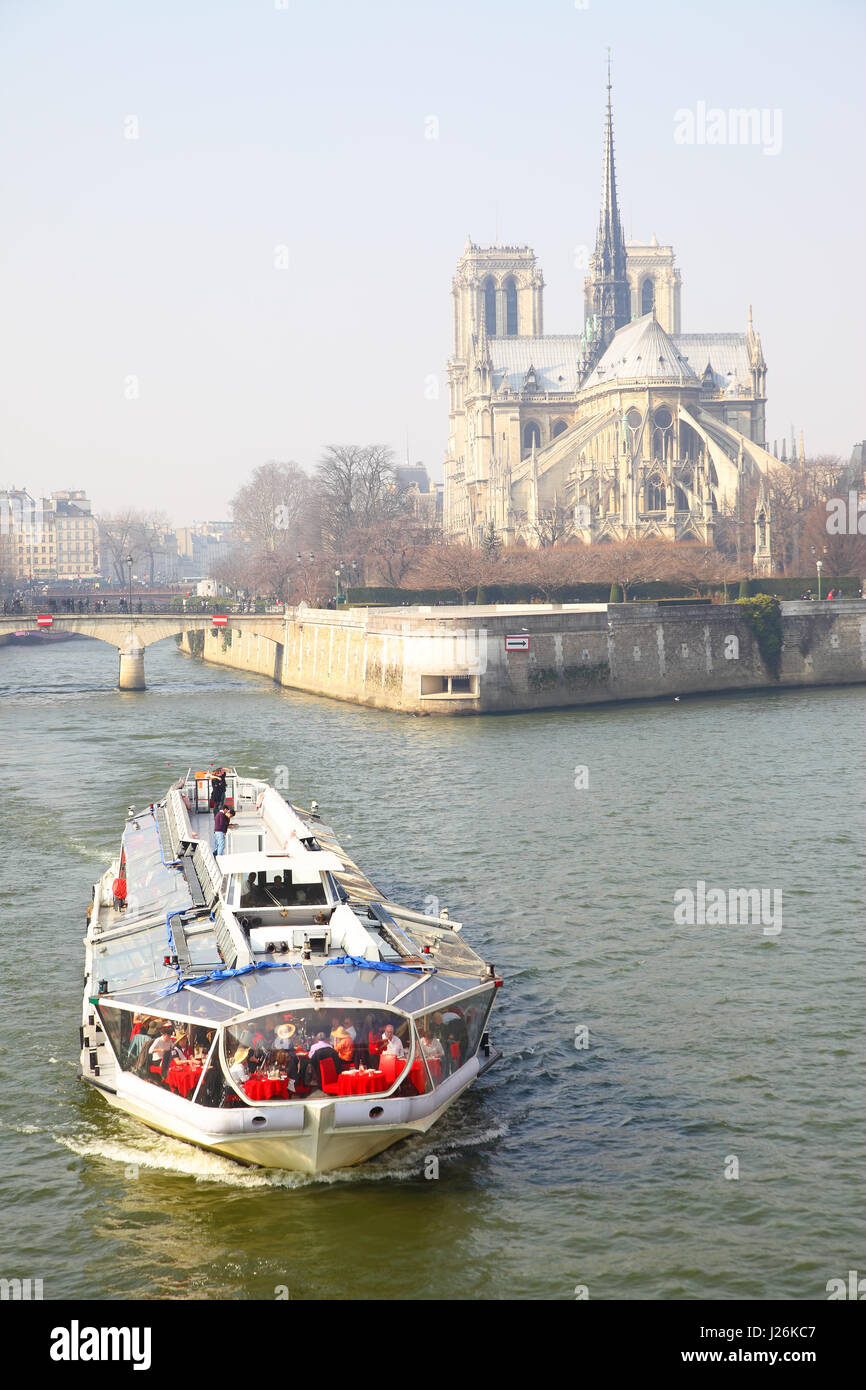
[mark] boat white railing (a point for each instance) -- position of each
(231, 941)
(179, 825)
(208, 872)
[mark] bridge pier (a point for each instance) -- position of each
(131, 667)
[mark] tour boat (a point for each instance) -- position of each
(267, 1002)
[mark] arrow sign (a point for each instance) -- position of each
(517, 642)
(219, 619)
(44, 620)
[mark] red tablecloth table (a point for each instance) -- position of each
(183, 1077)
(267, 1088)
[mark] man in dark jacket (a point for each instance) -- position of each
(218, 789)
(320, 1050)
(221, 823)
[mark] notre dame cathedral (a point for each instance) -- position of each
(630, 428)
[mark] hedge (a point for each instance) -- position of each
(658, 589)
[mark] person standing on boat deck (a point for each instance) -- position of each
(218, 789)
(221, 822)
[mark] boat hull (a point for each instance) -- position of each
(311, 1138)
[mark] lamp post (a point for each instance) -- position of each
(337, 573)
(129, 567)
(820, 565)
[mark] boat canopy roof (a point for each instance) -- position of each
(186, 937)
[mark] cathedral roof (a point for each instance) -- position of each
(554, 359)
(726, 353)
(641, 350)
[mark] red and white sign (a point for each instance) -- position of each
(44, 620)
(219, 619)
(517, 642)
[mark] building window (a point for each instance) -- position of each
(655, 495)
(531, 435)
(490, 305)
(662, 433)
(559, 428)
(647, 297)
(510, 307)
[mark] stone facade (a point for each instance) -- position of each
(457, 661)
(629, 428)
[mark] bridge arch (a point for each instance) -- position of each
(132, 634)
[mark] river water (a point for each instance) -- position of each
(560, 840)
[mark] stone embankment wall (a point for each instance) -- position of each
(458, 661)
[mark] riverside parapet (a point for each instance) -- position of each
(503, 658)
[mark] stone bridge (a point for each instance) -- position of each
(131, 634)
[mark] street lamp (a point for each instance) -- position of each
(820, 566)
(129, 568)
(337, 573)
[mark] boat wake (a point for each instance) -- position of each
(160, 1154)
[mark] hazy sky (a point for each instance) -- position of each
(268, 264)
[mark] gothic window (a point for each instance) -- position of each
(633, 420)
(531, 435)
(647, 297)
(558, 428)
(662, 433)
(490, 305)
(510, 307)
(681, 502)
(655, 495)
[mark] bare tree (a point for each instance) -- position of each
(358, 489)
(278, 505)
(118, 538)
(389, 549)
(452, 565)
(841, 552)
(555, 525)
(631, 562)
(277, 518)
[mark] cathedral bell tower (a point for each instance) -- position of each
(498, 288)
(606, 291)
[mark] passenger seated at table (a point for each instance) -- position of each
(392, 1045)
(238, 1070)
(320, 1050)
(374, 1042)
(431, 1046)
(160, 1051)
(283, 1036)
(343, 1045)
(286, 1064)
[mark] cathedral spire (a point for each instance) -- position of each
(610, 240)
(607, 294)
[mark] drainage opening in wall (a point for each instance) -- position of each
(449, 686)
